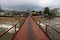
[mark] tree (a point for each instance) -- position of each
(49, 13)
(53, 12)
(46, 12)
(13, 12)
(40, 12)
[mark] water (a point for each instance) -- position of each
(8, 26)
(55, 24)
(5, 26)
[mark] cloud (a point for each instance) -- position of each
(16, 2)
(42, 3)
(45, 3)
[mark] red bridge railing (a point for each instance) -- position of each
(40, 27)
(53, 33)
(14, 26)
(47, 27)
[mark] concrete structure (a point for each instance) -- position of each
(2, 13)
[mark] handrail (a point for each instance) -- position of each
(9, 29)
(5, 32)
(46, 28)
(19, 29)
(41, 28)
(51, 28)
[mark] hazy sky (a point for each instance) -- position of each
(42, 3)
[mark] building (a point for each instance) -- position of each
(58, 13)
(34, 13)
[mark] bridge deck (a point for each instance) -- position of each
(30, 31)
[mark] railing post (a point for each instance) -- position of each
(20, 24)
(15, 28)
(46, 29)
(39, 23)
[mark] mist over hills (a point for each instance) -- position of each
(54, 6)
(26, 7)
(23, 7)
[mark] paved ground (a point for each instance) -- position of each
(30, 31)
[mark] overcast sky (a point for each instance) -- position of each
(41, 3)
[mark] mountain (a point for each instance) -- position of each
(23, 7)
(55, 6)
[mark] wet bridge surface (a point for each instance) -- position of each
(30, 31)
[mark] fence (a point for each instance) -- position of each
(14, 29)
(51, 32)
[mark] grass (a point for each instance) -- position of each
(1, 30)
(54, 35)
(7, 36)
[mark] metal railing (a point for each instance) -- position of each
(17, 25)
(40, 27)
(51, 32)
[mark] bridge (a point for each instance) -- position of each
(29, 30)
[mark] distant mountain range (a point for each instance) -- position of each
(26, 7)
(23, 7)
(54, 6)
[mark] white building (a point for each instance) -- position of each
(2, 13)
(58, 13)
